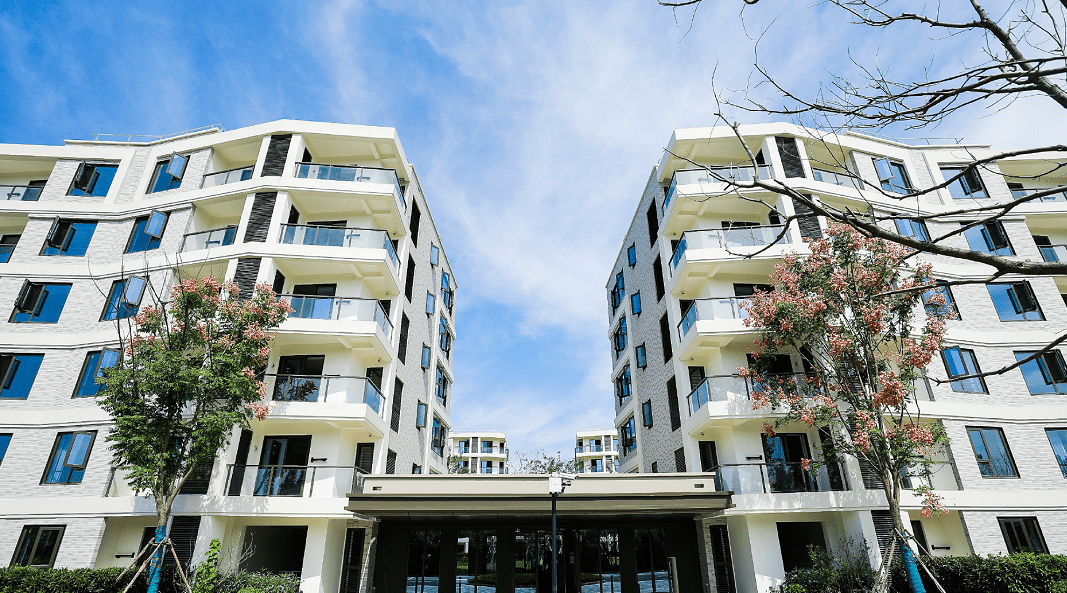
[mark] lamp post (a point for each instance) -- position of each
(556, 484)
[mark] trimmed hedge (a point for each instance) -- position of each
(20, 579)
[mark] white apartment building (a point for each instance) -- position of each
(677, 337)
(480, 451)
(333, 217)
(596, 451)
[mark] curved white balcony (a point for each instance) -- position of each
(678, 210)
(342, 401)
(701, 254)
(712, 323)
(359, 323)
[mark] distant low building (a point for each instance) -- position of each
(596, 450)
(481, 451)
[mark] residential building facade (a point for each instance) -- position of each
(480, 451)
(695, 250)
(333, 218)
(596, 451)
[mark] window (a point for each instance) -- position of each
(124, 299)
(635, 303)
(1046, 373)
(38, 545)
(631, 255)
(913, 228)
(665, 338)
(69, 237)
(425, 356)
(486, 467)
(40, 303)
(402, 343)
(627, 436)
(618, 337)
(988, 238)
(435, 254)
(442, 386)
(639, 354)
(653, 223)
(646, 413)
(147, 232)
(431, 303)
(991, 451)
(7, 247)
(168, 173)
(596, 465)
(655, 467)
(409, 282)
(5, 440)
(672, 403)
(446, 338)
(969, 185)
(413, 224)
(617, 292)
(438, 437)
(657, 273)
(893, 175)
(93, 369)
(622, 385)
(447, 294)
(1022, 534)
(420, 415)
(1057, 437)
(70, 454)
(416, 468)
(1015, 301)
(959, 362)
(17, 373)
(948, 310)
(92, 179)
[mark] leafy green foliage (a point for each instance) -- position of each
(21, 579)
(829, 574)
(540, 462)
(207, 572)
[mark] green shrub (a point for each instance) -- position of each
(258, 582)
(20, 579)
(829, 574)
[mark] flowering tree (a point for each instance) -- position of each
(190, 373)
(848, 310)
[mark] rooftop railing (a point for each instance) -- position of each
(330, 307)
(335, 236)
(712, 308)
(211, 238)
(351, 173)
(20, 193)
(752, 236)
(325, 388)
(715, 175)
(227, 176)
(842, 179)
(1053, 253)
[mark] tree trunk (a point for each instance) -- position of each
(911, 570)
(155, 568)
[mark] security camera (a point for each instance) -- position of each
(557, 482)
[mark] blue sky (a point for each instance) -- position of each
(533, 126)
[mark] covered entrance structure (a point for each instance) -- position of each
(617, 533)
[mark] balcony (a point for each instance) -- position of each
(349, 237)
(702, 253)
(1056, 197)
(718, 388)
(692, 182)
(306, 481)
(339, 308)
(589, 449)
(228, 176)
(780, 477)
(1053, 253)
(842, 179)
(493, 450)
(712, 323)
(335, 389)
(20, 193)
(207, 239)
(353, 174)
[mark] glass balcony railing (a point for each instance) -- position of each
(778, 477)
(842, 179)
(494, 450)
(1053, 253)
(1056, 197)
(753, 236)
(717, 388)
(208, 239)
(351, 173)
(327, 307)
(589, 449)
(713, 308)
(228, 176)
(714, 175)
(318, 481)
(325, 388)
(20, 193)
(331, 236)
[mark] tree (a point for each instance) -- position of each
(191, 371)
(847, 311)
(539, 462)
(1021, 52)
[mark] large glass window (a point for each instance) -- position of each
(38, 545)
(1022, 534)
(448, 295)
(618, 338)
(1057, 437)
(646, 413)
(438, 437)
(92, 179)
(147, 233)
(17, 373)
(93, 369)
(988, 238)
(631, 255)
(1015, 301)
(948, 310)
(69, 237)
(617, 292)
(622, 385)
(420, 415)
(969, 185)
(425, 356)
(124, 299)
(5, 440)
(913, 228)
(960, 362)
(635, 303)
(642, 358)
(446, 338)
(992, 453)
(1046, 373)
(40, 303)
(70, 455)
(627, 436)
(168, 174)
(442, 386)
(893, 176)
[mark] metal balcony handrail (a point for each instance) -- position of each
(336, 236)
(273, 471)
(28, 193)
(796, 479)
(349, 173)
(226, 176)
(740, 173)
(696, 311)
(305, 306)
(747, 236)
(221, 236)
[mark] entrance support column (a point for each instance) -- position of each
(446, 570)
(505, 560)
(628, 560)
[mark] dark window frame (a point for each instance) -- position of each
(990, 234)
(959, 385)
(623, 386)
(631, 255)
(118, 302)
(1029, 524)
(635, 303)
(1050, 365)
(10, 363)
(28, 555)
(646, 413)
(140, 227)
(641, 355)
(953, 311)
(970, 176)
(75, 469)
(1021, 297)
(164, 167)
(88, 187)
(61, 235)
(982, 431)
(39, 302)
(898, 171)
(96, 371)
(1061, 461)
